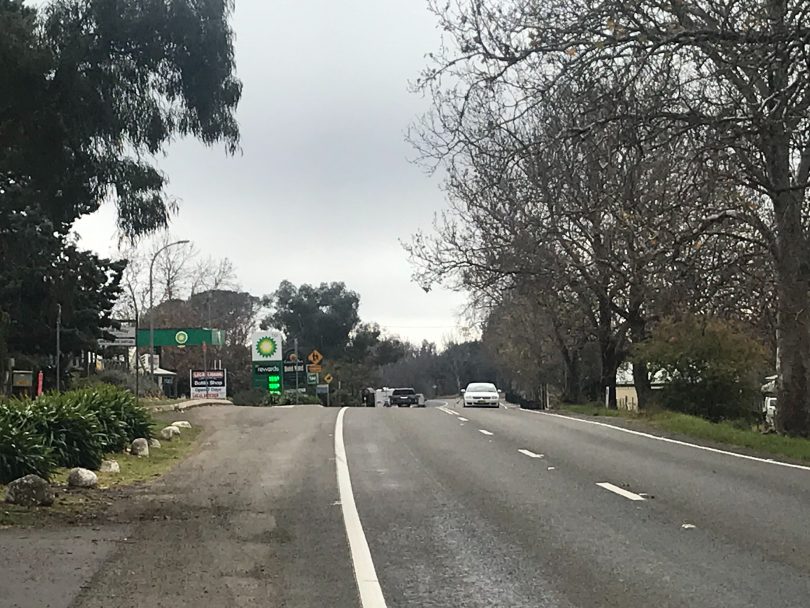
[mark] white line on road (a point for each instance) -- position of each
(371, 595)
(530, 454)
(446, 411)
(463, 419)
(485, 432)
(621, 492)
(675, 441)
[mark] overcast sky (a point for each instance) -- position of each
(323, 190)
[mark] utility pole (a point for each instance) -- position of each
(295, 368)
(58, 346)
(137, 356)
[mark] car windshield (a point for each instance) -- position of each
(482, 387)
(404, 391)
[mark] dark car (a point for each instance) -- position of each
(404, 397)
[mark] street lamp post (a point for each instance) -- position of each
(137, 356)
(152, 304)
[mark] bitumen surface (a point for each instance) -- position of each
(454, 508)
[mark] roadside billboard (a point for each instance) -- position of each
(211, 384)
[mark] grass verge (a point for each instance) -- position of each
(80, 505)
(727, 433)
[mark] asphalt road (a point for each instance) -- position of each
(440, 506)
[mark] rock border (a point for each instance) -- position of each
(187, 405)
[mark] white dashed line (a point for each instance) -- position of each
(485, 432)
(463, 419)
(621, 492)
(530, 454)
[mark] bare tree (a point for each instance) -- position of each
(736, 75)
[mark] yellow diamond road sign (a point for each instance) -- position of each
(328, 378)
(315, 357)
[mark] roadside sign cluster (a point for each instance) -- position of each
(275, 372)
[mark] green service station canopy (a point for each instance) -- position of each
(184, 336)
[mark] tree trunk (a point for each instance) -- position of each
(793, 316)
(608, 355)
(641, 372)
(641, 380)
(573, 378)
(610, 365)
(793, 320)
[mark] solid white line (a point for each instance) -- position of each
(463, 419)
(675, 441)
(485, 432)
(621, 492)
(371, 595)
(530, 454)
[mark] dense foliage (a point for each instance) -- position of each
(90, 92)
(70, 429)
(710, 368)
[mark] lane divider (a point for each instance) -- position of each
(463, 419)
(620, 491)
(485, 432)
(530, 454)
(371, 595)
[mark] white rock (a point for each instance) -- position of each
(169, 432)
(154, 443)
(82, 478)
(139, 447)
(30, 491)
(110, 466)
(182, 424)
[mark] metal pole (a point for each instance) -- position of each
(295, 369)
(152, 305)
(137, 356)
(58, 346)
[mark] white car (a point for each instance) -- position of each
(481, 393)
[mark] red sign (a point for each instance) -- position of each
(40, 376)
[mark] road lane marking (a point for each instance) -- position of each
(371, 595)
(485, 432)
(675, 441)
(463, 419)
(620, 491)
(446, 411)
(530, 454)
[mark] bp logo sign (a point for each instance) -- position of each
(266, 347)
(181, 338)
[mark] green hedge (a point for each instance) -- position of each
(69, 429)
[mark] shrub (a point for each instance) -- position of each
(22, 450)
(137, 422)
(712, 366)
(253, 396)
(71, 431)
(147, 384)
(288, 398)
(111, 424)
